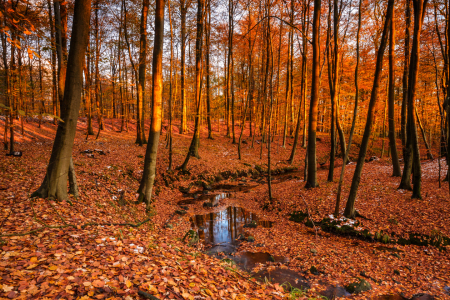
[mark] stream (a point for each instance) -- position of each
(222, 232)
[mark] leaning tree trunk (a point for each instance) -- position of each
(303, 87)
(350, 207)
(311, 180)
(193, 148)
(424, 137)
(54, 184)
(148, 178)
(355, 114)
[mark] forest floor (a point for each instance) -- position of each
(84, 248)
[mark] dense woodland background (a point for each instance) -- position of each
(107, 102)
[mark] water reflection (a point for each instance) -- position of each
(224, 227)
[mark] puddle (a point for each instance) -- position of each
(249, 260)
(221, 229)
(289, 278)
(334, 292)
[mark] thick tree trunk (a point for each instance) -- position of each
(350, 207)
(55, 182)
(148, 178)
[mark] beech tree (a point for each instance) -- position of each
(54, 184)
(350, 207)
(148, 177)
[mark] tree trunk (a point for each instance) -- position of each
(403, 131)
(55, 182)
(303, 86)
(350, 207)
(148, 177)
(391, 100)
(208, 72)
(419, 12)
(170, 91)
(183, 11)
(142, 69)
(422, 130)
(355, 114)
(311, 180)
(193, 148)
(97, 83)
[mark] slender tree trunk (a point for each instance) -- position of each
(350, 207)
(53, 60)
(142, 70)
(208, 71)
(355, 114)
(391, 115)
(170, 91)
(422, 130)
(303, 87)
(87, 87)
(311, 180)
(97, 83)
(405, 80)
(193, 148)
(332, 79)
(148, 177)
(419, 12)
(183, 11)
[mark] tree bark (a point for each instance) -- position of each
(193, 148)
(396, 172)
(140, 139)
(183, 11)
(350, 207)
(419, 13)
(311, 180)
(148, 178)
(355, 114)
(55, 182)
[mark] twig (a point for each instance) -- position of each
(178, 296)
(147, 295)
(309, 216)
